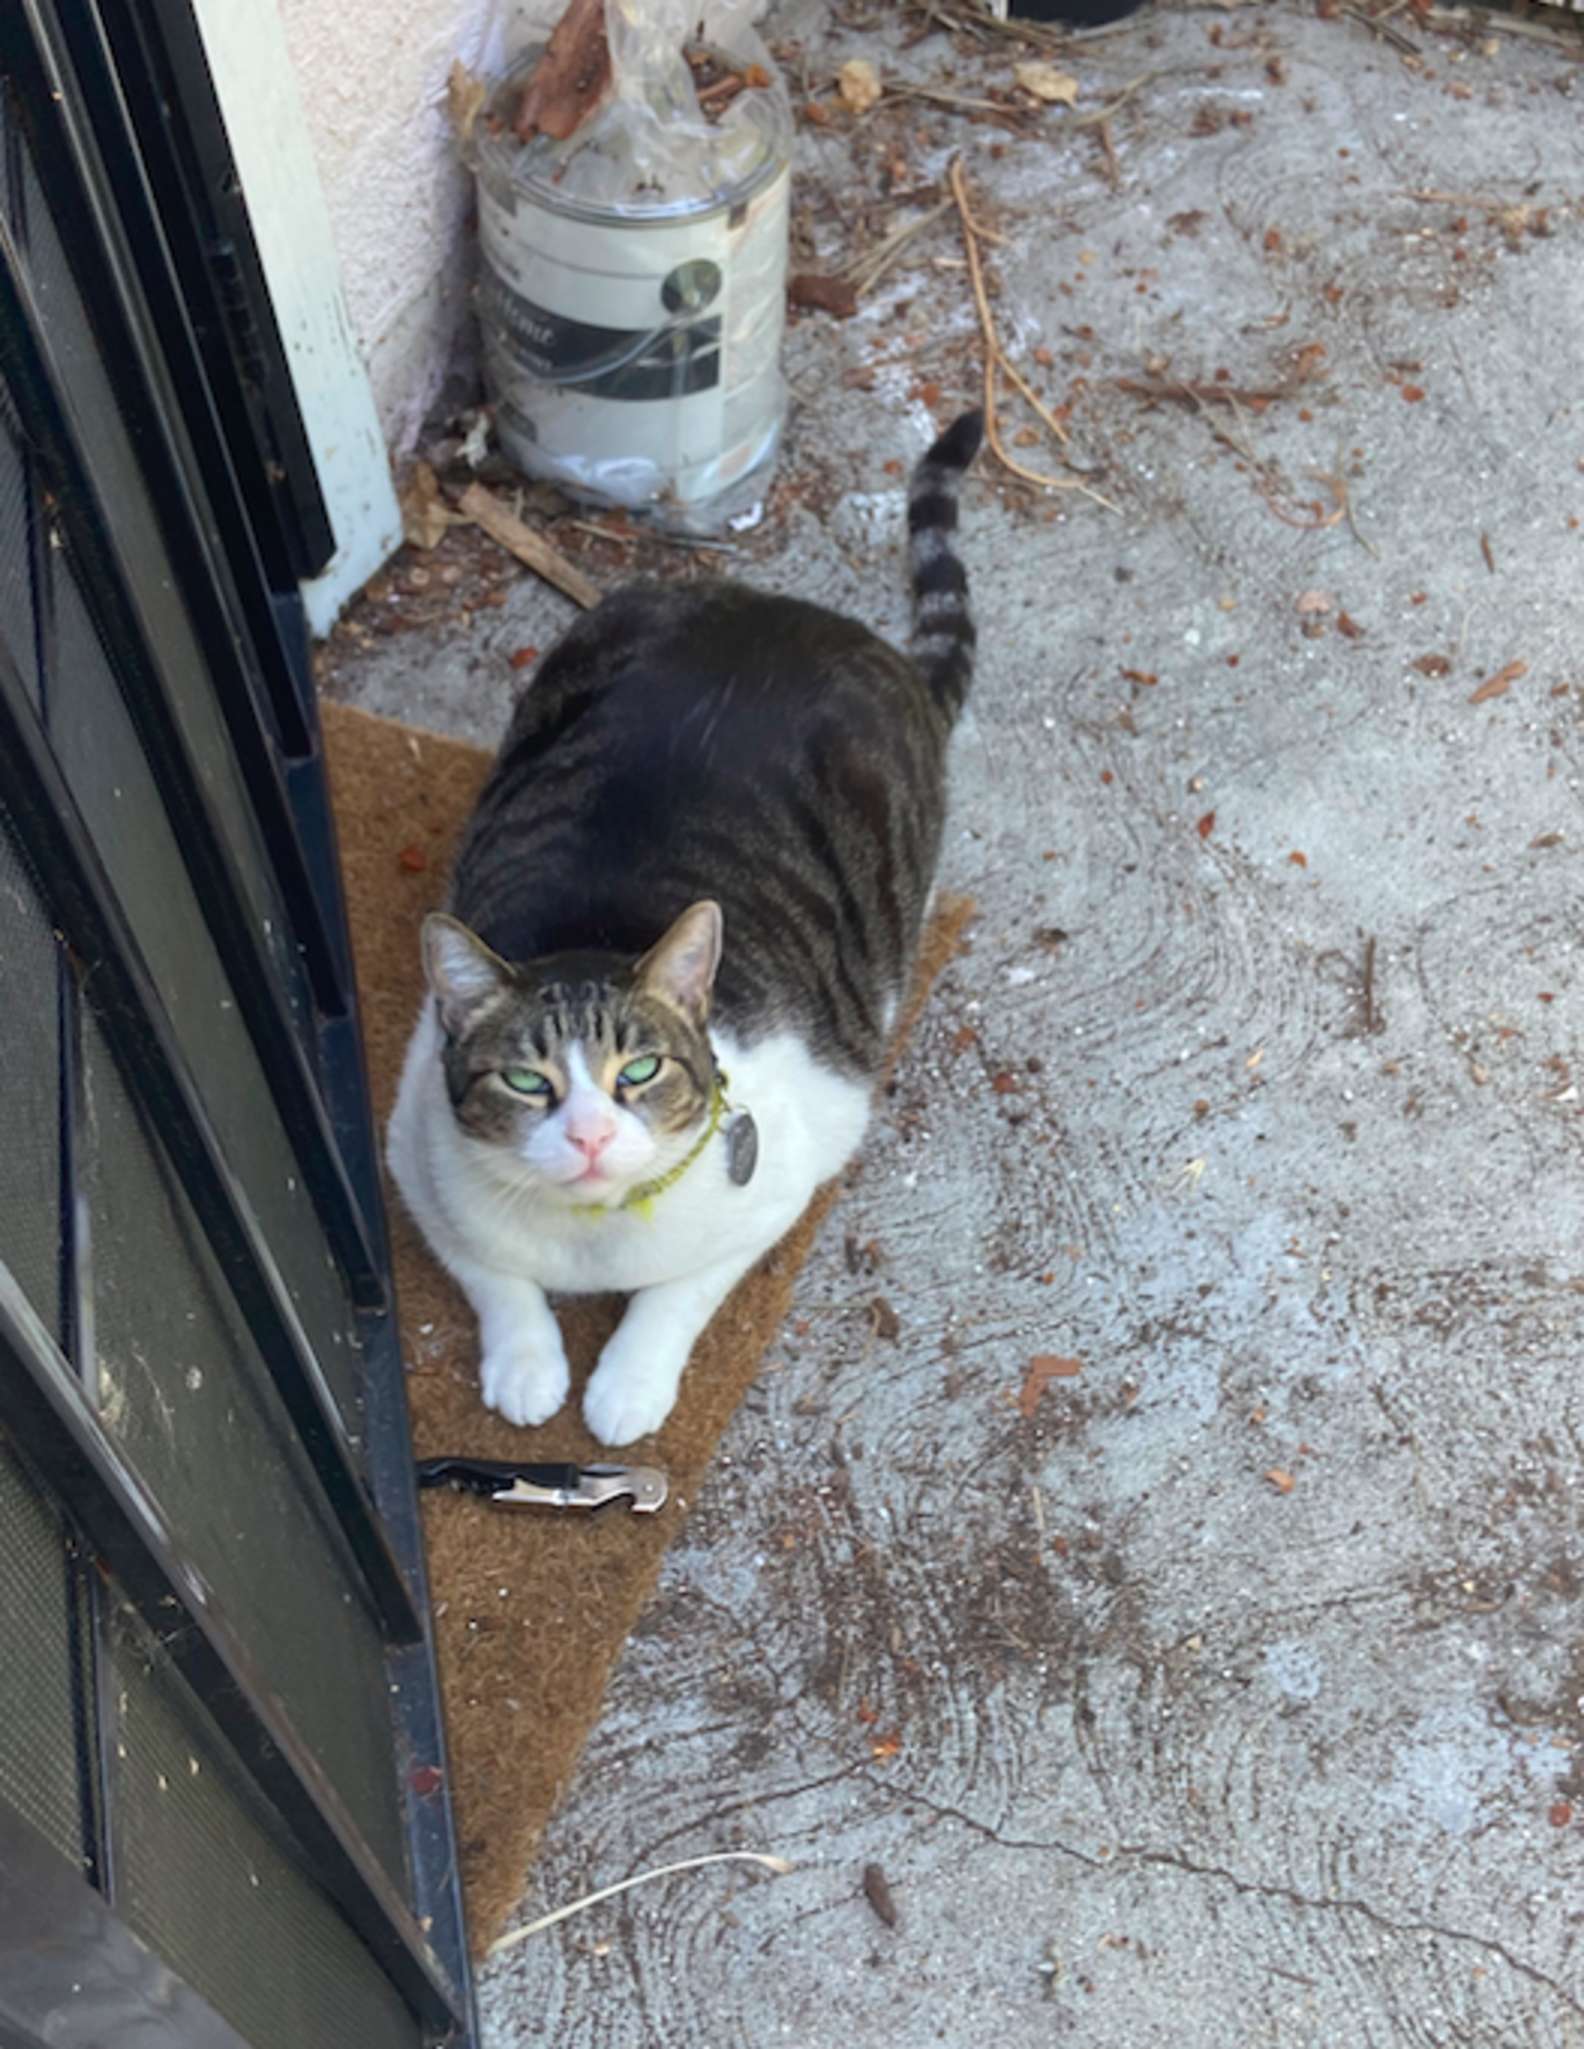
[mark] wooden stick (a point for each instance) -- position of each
(530, 548)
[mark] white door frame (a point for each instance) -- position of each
(245, 43)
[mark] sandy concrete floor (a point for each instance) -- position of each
(1231, 1689)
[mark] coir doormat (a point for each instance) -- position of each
(530, 1611)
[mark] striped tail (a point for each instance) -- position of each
(943, 630)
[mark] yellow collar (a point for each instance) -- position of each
(644, 1197)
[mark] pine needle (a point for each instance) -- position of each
(995, 359)
(514, 1936)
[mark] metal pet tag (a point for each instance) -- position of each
(742, 1147)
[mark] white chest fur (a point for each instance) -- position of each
(476, 1213)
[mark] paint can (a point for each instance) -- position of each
(632, 327)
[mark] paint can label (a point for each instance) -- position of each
(630, 358)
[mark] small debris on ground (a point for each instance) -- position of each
(878, 1893)
(858, 82)
(884, 1321)
(836, 295)
(1043, 1368)
(1499, 684)
(1047, 83)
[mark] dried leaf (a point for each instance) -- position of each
(1432, 665)
(884, 1321)
(1206, 825)
(1499, 684)
(1283, 1482)
(571, 77)
(425, 514)
(1045, 82)
(1043, 1368)
(858, 82)
(1298, 860)
(1312, 603)
(837, 295)
(522, 657)
(884, 1748)
(413, 859)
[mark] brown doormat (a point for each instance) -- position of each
(530, 1611)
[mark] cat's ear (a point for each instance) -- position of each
(680, 968)
(462, 972)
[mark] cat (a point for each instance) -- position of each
(682, 920)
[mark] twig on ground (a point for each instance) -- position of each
(514, 1936)
(1239, 442)
(1504, 25)
(1098, 114)
(1381, 25)
(1192, 392)
(1320, 521)
(1337, 479)
(1108, 155)
(995, 359)
(601, 533)
(1371, 1016)
(530, 548)
(934, 96)
(632, 535)
(865, 272)
(967, 19)
(1039, 405)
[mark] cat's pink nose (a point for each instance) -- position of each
(591, 1143)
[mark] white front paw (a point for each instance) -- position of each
(628, 1399)
(524, 1383)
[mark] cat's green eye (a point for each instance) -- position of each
(526, 1081)
(637, 1072)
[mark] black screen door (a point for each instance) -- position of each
(222, 1788)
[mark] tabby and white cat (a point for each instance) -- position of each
(683, 917)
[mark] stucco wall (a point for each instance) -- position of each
(373, 79)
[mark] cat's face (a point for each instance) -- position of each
(587, 1075)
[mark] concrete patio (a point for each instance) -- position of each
(1228, 1687)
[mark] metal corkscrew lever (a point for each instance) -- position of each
(511, 1485)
